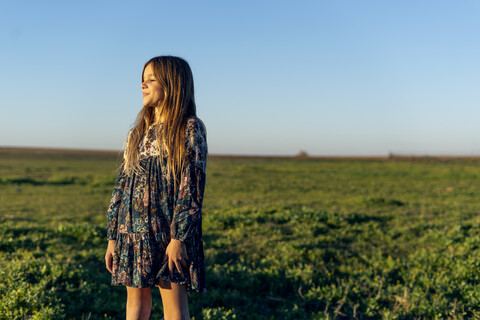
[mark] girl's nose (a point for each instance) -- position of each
(143, 85)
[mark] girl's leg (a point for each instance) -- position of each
(174, 300)
(139, 303)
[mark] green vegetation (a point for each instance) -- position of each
(284, 238)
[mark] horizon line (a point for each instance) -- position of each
(390, 155)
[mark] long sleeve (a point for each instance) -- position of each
(187, 214)
(112, 212)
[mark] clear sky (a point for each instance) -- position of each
(271, 77)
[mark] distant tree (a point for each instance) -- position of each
(302, 154)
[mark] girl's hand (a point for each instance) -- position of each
(109, 255)
(176, 253)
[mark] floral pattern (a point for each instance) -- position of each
(145, 212)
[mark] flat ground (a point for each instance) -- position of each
(285, 238)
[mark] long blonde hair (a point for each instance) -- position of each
(175, 77)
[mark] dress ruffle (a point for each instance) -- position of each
(135, 259)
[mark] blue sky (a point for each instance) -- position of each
(272, 77)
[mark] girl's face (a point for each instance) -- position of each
(153, 93)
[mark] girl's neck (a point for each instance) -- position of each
(158, 117)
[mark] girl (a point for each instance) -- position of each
(155, 214)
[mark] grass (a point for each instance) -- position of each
(284, 238)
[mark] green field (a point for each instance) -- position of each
(284, 238)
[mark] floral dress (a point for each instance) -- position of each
(145, 212)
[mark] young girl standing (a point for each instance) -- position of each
(155, 214)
